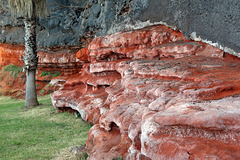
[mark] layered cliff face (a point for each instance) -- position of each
(53, 62)
(153, 94)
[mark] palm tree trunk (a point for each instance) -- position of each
(30, 62)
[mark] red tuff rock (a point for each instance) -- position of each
(83, 55)
(11, 54)
(153, 94)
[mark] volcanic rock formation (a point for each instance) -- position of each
(153, 94)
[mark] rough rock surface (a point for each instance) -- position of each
(153, 94)
(11, 54)
(73, 22)
(61, 59)
(52, 62)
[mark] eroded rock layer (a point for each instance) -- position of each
(153, 94)
(11, 54)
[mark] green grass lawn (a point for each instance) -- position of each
(37, 133)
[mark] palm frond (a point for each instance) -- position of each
(28, 8)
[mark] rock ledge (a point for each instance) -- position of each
(153, 94)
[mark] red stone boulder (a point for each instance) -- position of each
(153, 94)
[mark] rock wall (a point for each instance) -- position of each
(74, 22)
(154, 94)
(53, 62)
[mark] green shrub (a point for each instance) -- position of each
(50, 73)
(84, 156)
(42, 91)
(118, 158)
(12, 69)
(49, 85)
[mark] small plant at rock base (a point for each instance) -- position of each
(118, 158)
(49, 85)
(50, 73)
(12, 69)
(41, 92)
(84, 156)
(45, 74)
(56, 74)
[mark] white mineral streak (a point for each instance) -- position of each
(194, 37)
(129, 25)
